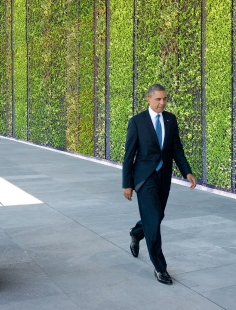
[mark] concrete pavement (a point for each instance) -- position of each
(72, 250)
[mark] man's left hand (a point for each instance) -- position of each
(192, 181)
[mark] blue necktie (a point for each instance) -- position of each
(159, 136)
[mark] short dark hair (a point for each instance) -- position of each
(155, 87)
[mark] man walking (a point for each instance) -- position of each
(152, 143)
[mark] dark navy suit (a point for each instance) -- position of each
(142, 155)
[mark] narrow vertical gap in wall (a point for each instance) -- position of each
(78, 75)
(177, 45)
(107, 82)
(135, 64)
(13, 68)
(27, 73)
(7, 79)
(77, 72)
(67, 66)
(233, 159)
(203, 99)
(95, 94)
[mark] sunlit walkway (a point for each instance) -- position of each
(64, 240)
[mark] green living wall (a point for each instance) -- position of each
(86, 77)
(71, 76)
(20, 71)
(73, 73)
(47, 73)
(9, 52)
(219, 92)
(100, 61)
(36, 30)
(170, 52)
(121, 76)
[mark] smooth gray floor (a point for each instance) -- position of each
(72, 251)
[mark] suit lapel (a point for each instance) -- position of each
(167, 127)
(151, 128)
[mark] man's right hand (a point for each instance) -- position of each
(128, 192)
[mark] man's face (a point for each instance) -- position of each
(157, 101)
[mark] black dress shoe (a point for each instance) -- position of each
(163, 277)
(134, 246)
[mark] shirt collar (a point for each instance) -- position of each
(153, 114)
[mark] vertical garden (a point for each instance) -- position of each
(74, 71)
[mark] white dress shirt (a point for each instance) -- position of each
(153, 118)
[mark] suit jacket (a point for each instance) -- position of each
(143, 153)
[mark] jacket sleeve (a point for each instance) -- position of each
(178, 153)
(130, 152)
